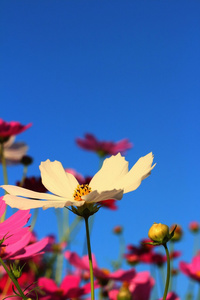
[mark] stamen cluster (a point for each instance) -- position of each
(80, 191)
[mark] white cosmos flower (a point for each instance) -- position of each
(14, 151)
(110, 182)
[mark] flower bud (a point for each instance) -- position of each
(178, 233)
(124, 293)
(158, 232)
(118, 229)
(194, 227)
(16, 271)
(26, 160)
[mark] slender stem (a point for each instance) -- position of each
(14, 280)
(5, 175)
(3, 161)
(90, 258)
(168, 273)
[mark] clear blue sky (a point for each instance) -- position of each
(116, 69)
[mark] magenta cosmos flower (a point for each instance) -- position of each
(103, 148)
(192, 269)
(140, 287)
(82, 263)
(110, 182)
(8, 129)
(69, 288)
(16, 238)
(171, 296)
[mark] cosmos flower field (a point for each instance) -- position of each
(49, 269)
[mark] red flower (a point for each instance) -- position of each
(68, 289)
(192, 269)
(103, 148)
(101, 274)
(33, 184)
(171, 296)
(8, 129)
(140, 287)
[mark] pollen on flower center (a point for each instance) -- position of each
(81, 190)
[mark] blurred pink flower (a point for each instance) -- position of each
(8, 129)
(103, 148)
(110, 182)
(140, 287)
(194, 226)
(101, 274)
(33, 184)
(191, 269)
(13, 152)
(16, 238)
(171, 296)
(69, 288)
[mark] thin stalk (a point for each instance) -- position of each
(14, 280)
(90, 258)
(168, 273)
(5, 174)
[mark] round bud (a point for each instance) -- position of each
(158, 232)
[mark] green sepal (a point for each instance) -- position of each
(86, 210)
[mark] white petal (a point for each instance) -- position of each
(112, 170)
(16, 151)
(106, 195)
(24, 204)
(134, 177)
(19, 191)
(56, 180)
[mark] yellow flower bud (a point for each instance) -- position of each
(158, 232)
(124, 293)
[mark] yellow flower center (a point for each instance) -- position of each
(81, 190)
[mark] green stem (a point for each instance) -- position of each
(5, 174)
(90, 258)
(14, 280)
(168, 273)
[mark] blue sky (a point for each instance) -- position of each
(117, 69)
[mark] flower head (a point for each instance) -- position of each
(192, 269)
(8, 129)
(103, 148)
(110, 182)
(194, 226)
(14, 151)
(16, 238)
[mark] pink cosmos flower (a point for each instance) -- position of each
(194, 226)
(192, 269)
(14, 151)
(171, 296)
(69, 288)
(16, 238)
(8, 129)
(100, 274)
(140, 287)
(103, 148)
